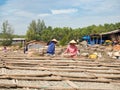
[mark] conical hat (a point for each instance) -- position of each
(54, 40)
(73, 41)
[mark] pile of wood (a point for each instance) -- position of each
(57, 73)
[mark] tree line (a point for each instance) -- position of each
(37, 30)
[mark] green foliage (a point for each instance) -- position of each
(35, 29)
(6, 42)
(46, 35)
(19, 36)
(38, 31)
(64, 41)
(7, 34)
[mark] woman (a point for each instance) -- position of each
(51, 47)
(72, 50)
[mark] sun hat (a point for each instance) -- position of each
(54, 40)
(73, 41)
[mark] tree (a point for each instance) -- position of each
(35, 29)
(117, 25)
(32, 30)
(7, 33)
(38, 31)
(40, 26)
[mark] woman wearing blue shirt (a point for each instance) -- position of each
(51, 47)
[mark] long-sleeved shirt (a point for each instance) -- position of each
(72, 49)
(51, 48)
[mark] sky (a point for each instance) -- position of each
(58, 13)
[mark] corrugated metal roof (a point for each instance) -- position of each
(111, 32)
(18, 39)
(14, 39)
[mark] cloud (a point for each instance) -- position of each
(100, 6)
(59, 13)
(43, 15)
(64, 11)
(23, 13)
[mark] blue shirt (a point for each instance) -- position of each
(51, 48)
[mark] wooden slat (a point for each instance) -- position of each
(72, 84)
(28, 75)
(40, 87)
(3, 71)
(58, 79)
(68, 70)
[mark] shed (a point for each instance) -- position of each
(100, 38)
(112, 35)
(18, 40)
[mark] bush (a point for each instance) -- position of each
(6, 42)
